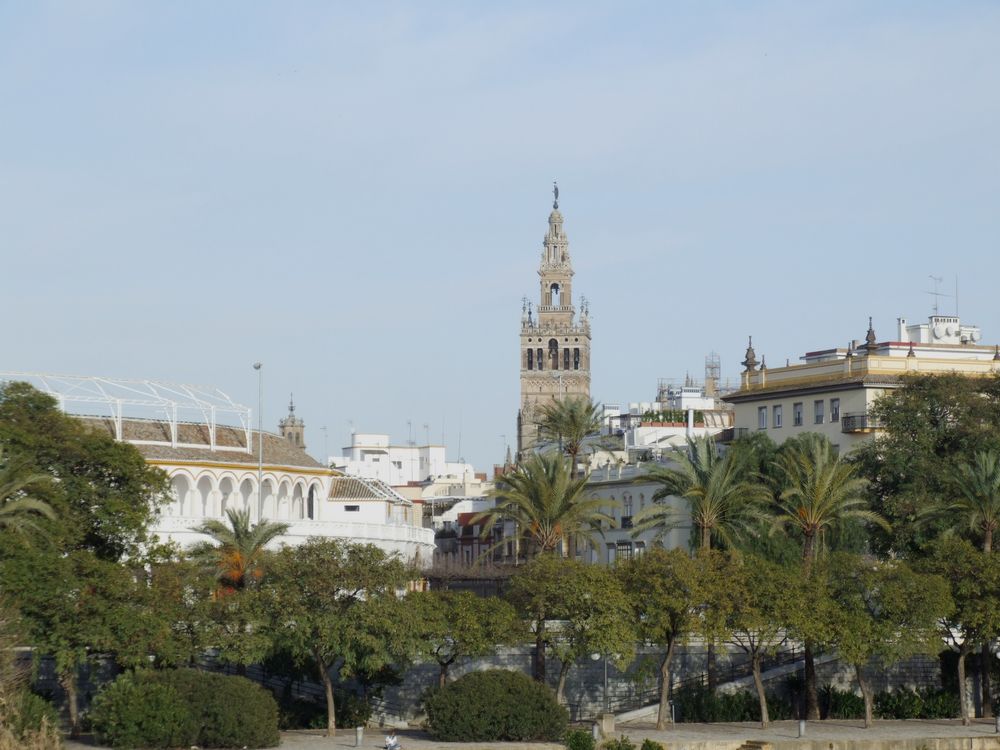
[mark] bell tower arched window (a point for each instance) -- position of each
(554, 353)
(554, 295)
(566, 359)
(576, 359)
(538, 358)
(531, 359)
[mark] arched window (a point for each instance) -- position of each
(554, 353)
(565, 359)
(310, 504)
(576, 359)
(531, 359)
(539, 360)
(554, 295)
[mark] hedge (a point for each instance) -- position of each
(184, 707)
(495, 705)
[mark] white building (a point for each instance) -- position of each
(205, 443)
(372, 456)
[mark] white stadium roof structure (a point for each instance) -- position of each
(119, 399)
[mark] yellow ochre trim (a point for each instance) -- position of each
(247, 467)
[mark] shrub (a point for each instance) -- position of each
(939, 704)
(294, 713)
(622, 743)
(352, 710)
(495, 705)
(133, 712)
(899, 704)
(699, 704)
(648, 744)
(29, 713)
(840, 704)
(579, 739)
(184, 707)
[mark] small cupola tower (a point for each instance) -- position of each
(292, 428)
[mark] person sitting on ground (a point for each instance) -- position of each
(392, 742)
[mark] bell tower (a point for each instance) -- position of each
(292, 428)
(555, 345)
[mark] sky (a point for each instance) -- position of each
(355, 194)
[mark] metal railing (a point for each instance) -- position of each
(858, 422)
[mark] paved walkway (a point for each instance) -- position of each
(783, 735)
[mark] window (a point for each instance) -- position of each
(397, 464)
(539, 360)
(834, 409)
(623, 550)
(818, 412)
(797, 414)
(352, 508)
(531, 359)
(565, 359)
(576, 359)
(776, 416)
(761, 417)
(640, 548)
(554, 353)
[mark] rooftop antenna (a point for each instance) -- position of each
(936, 294)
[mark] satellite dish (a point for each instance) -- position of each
(939, 331)
(950, 330)
(975, 335)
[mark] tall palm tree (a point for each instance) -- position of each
(819, 492)
(19, 509)
(546, 504)
(569, 420)
(977, 486)
(725, 502)
(239, 548)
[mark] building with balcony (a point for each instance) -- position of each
(830, 391)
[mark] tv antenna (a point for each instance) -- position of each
(936, 294)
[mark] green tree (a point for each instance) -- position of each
(664, 590)
(755, 603)
(239, 549)
(103, 492)
(927, 426)
(973, 579)
(593, 616)
(331, 602)
(452, 626)
(18, 508)
(883, 613)
(546, 504)
(569, 421)
(819, 494)
(975, 486)
(724, 500)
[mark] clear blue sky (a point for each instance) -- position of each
(356, 193)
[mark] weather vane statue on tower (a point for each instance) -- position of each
(555, 193)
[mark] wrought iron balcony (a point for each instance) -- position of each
(858, 423)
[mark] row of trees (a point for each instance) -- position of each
(934, 472)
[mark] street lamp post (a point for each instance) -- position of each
(260, 436)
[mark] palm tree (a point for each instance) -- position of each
(19, 509)
(239, 550)
(546, 504)
(977, 485)
(569, 420)
(724, 502)
(819, 493)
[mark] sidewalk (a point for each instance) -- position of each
(782, 735)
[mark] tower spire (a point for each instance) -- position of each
(555, 195)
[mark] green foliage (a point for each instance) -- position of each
(916, 704)
(699, 704)
(28, 713)
(495, 705)
(328, 600)
(618, 743)
(184, 707)
(840, 704)
(133, 712)
(568, 421)
(928, 425)
(452, 626)
(548, 505)
(579, 739)
(648, 744)
(238, 551)
(725, 501)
